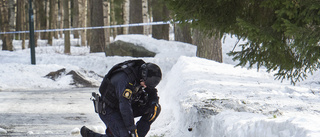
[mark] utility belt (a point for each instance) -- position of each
(100, 103)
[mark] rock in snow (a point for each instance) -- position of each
(75, 131)
(3, 131)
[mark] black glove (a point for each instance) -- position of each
(154, 111)
(133, 133)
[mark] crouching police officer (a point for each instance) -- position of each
(127, 91)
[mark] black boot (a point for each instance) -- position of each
(86, 132)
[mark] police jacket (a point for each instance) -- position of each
(123, 91)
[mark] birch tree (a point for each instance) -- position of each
(89, 21)
(82, 20)
(145, 16)
(11, 11)
(125, 13)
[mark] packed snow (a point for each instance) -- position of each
(198, 97)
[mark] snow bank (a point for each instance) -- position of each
(200, 97)
(16, 72)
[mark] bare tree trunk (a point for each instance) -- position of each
(70, 14)
(37, 21)
(52, 20)
(47, 14)
(114, 21)
(19, 18)
(27, 20)
(106, 22)
(61, 14)
(6, 38)
(126, 15)
(12, 15)
(160, 13)
(20, 21)
(150, 13)
(23, 23)
(165, 28)
(66, 24)
(41, 17)
(55, 24)
(182, 33)
(82, 20)
(145, 16)
(97, 43)
(136, 16)
(75, 23)
(208, 47)
(89, 22)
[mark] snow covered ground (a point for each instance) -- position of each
(199, 97)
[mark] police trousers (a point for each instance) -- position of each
(113, 121)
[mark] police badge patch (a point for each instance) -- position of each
(127, 93)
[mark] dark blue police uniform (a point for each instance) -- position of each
(121, 120)
(123, 98)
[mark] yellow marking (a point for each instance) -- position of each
(136, 132)
(154, 114)
(127, 93)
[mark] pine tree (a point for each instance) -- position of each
(283, 35)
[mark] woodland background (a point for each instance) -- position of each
(280, 35)
(58, 14)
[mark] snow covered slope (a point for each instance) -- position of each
(203, 98)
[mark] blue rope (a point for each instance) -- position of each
(99, 27)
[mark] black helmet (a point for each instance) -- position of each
(151, 74)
